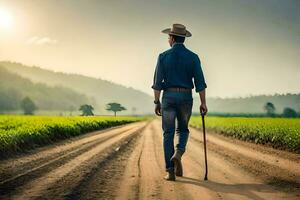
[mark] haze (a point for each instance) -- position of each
(246, 47)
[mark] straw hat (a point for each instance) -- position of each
(177, 29)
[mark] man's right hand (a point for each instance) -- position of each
(203, 109)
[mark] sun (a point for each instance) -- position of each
(6, 19)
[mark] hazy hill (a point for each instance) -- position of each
(13, 88)
(103, 91)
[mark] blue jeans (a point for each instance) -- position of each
(175, 106)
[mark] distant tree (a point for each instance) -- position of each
(115, 107)
(270, 109)
(28, 106)
(87, 110)
(289, 112)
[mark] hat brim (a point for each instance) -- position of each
(168, 31)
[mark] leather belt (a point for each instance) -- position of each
(178, 89)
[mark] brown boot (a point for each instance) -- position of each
(176, 158)
(170, 176)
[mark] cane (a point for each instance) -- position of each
(204, 140)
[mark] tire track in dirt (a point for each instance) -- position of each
(46, 155)
(99, 180)
(226, 179)
(21, 178)
(145, 179)
(34, 187)
(285, 164)
(266, 166)
(129, 184)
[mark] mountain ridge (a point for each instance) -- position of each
(106, 91)
(102, 90)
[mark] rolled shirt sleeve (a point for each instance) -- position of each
(199, 80)
(158, 75)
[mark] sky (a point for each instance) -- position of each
(246, 47)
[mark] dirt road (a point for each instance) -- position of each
(126, 162)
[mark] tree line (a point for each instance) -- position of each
(270, 109)
(29, 107)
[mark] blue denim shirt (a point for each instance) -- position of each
(178, 67)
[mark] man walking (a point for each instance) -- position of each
(174, 74)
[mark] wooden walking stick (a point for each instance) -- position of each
(204, 141)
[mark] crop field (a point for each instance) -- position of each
(22, 132)
(280, 133)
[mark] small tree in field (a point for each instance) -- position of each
(28, 106)
(270, 109)
(289, 112)
(87, 110)
(115, 107)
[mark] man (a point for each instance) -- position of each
(174, 74)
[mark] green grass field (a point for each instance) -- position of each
(18, 133)
(283, 133)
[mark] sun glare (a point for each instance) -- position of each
(6, 19)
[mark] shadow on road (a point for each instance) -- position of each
(246, 189)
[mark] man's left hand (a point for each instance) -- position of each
(158, 109)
